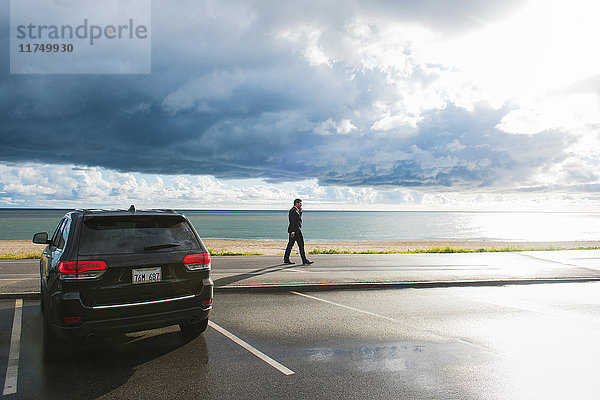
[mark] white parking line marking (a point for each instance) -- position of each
(298, 270)
(25, 261)
(12, 369)
(482, 348)
(17, 279)
(281, 368)
(459, 340)
(346, 307)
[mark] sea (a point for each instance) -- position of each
(21, 224)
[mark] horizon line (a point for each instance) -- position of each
(309, 210)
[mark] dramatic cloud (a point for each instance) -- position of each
(62, 186)
(365, 98)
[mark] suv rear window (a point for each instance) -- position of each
(135, 234)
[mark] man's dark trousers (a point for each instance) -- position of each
(297, 238)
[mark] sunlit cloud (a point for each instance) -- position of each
(45, 185)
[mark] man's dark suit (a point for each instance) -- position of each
(295, 226)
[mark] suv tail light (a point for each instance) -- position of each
(197, 262)
(81, 269)
(71, 320)
(206, 302)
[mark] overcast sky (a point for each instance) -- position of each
(464, 104)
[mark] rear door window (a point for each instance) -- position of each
(135, 234)
(64, 234)
(58, 233)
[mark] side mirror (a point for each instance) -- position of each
(40, 238)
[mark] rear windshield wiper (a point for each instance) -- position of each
(161, 246)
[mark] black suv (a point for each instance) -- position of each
(122, 271)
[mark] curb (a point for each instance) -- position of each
(24, 296)
(324, 287)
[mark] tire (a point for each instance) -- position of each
(193, 330)
(42, 296)
(52, 347)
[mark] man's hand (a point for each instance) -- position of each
(292, 234)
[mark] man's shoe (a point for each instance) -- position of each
(306, 262)
(288, 262)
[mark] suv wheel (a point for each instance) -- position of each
(51, 345)
(42, 294)
(193, 330)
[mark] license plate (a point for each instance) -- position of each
(146, 275)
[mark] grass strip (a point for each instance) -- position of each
(19, 256)
(212, 253)
(232, 253)
(438, 250)
(445, 250)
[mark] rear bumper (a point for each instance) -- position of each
(132, 323)
(130, 317)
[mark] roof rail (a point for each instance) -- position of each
(131, 209)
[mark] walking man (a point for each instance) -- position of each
(295, 232)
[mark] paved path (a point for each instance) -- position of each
(267, 273)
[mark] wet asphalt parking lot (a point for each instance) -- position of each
(507, 342)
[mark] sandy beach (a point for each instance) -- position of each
(265, 247)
